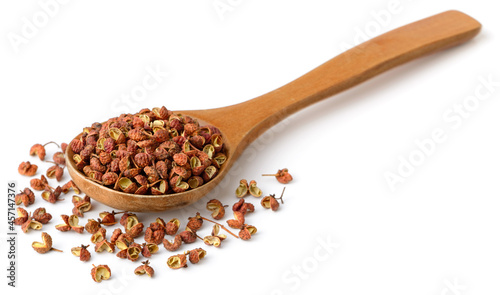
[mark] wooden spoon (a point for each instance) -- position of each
(242, 123)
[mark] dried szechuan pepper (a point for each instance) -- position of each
(282, 176)
(243, 207)
(45, 246)
(148, 249)
(242, 189)
(70, 185)
(39, 150)
(81, 205)
(217, 209)
(39, 184)
(59, 159)
(157, 152)
(26, 197)
(155, 232)
(51, 195)
(132, 226)
(92, 226)
(55, 172)
(70, 223)
(247, 231)
(270, 201)
(30, 224)
(22, 216)
(27, 169)
(81, 252)
(104, 245)
(238, 221)
(196, 255)
(188, 236)
(124, 241)
(100, 272)
(174, 245)
(195, 223)
(177, 261)
(98, 236)
(144, 269)
(133, 251)
(42, 216)
(215, 238)
(172, 226)
(254, 190)
(108, 218)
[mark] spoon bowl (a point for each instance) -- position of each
(242, 123)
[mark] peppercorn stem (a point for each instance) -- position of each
(281, 197)
(54, 249)
(55, 163)
(53, 143)
(222, 226)
(154, 183)
(135, 164)
(276, 174)
(117, 180)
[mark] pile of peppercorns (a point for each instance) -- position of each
(151, 152)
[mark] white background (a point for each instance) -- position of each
(436, 233)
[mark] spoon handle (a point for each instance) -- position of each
(249, 119)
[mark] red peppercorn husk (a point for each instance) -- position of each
(27, 169)
(76, 145)
(39, 184)
(196, 255)
(144, 269)
(64, 146)
(41, 215)
(177, 261)
(59, 159)
(70, 185)
(38, 150)
(26, 197)
(283, 176)
(56, 172)
(217, 209)
(247, 231)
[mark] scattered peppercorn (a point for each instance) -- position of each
(100, 272)
(45, 246)
(271, 201)
(282, 176)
